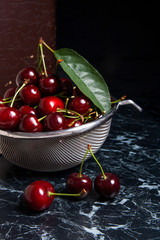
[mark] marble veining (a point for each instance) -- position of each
(132, 152)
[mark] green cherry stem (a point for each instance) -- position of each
(83, 192)
(19, 89)
(80, 170)
(46, 45)
(42, 56)
(40, 119)
(89, 147)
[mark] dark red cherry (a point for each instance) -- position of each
(9, 118)
(80, 104)
(30, 95)
(10, 92)
(49, 85)
(66, 87)
(30, 123)
(49, 104)
(108, 187)
(76, 183)
(71, 122)
(54, 122)
(27, 73)
(36, 195)
(25, 109)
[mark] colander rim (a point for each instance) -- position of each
(61, 133)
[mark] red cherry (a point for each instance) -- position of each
(80, 104)
(36, 195)
(25, 109)
(54, 122)
(27, 73)
(107, 187)
(9, 118)
(10, 92)
(30, 95)
(71, 122)
(49, 104)
(30, 123)
(76, 183)
(49, 85)
(66, 86)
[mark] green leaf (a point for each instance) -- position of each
(85, 77)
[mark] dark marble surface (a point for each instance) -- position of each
(132, 152)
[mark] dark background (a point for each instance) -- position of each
(118, 38)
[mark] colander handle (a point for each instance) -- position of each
(129, 101)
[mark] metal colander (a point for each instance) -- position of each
(58, 150)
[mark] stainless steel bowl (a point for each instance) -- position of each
(58, 150)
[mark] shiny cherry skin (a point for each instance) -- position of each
(70, 122)
(30, 123)
(76, 184)
(108, 187)
(25, 109)
(9, 118)
(66, 87)
(49, 104)
(36, 195)
(2, 104)
(27, 73)
(80, 104)
(54, 122)
(49, 85)
(30, 95)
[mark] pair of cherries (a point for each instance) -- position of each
(40, 194)
(35, 100)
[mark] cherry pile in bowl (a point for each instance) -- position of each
(41, 102)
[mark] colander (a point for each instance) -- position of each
(58, 150)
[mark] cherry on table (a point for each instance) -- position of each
(108, 187)
(30, 95)
(9, 118)
(27, 73)
(30, 123)
(49, 104)
(77, 182)
(49, 85)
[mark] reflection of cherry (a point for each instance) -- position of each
(27, 73)
(30, 123)
(9, 118)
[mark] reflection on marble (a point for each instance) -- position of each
(132, 152)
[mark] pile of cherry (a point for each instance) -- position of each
(40, 194)
(43, 102)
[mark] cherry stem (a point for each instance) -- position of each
(80, 170)
(19, 89)
(83, 192)
(40, 119)
(42, 57)
(89, 147)
(121, 99)
(46, 45)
